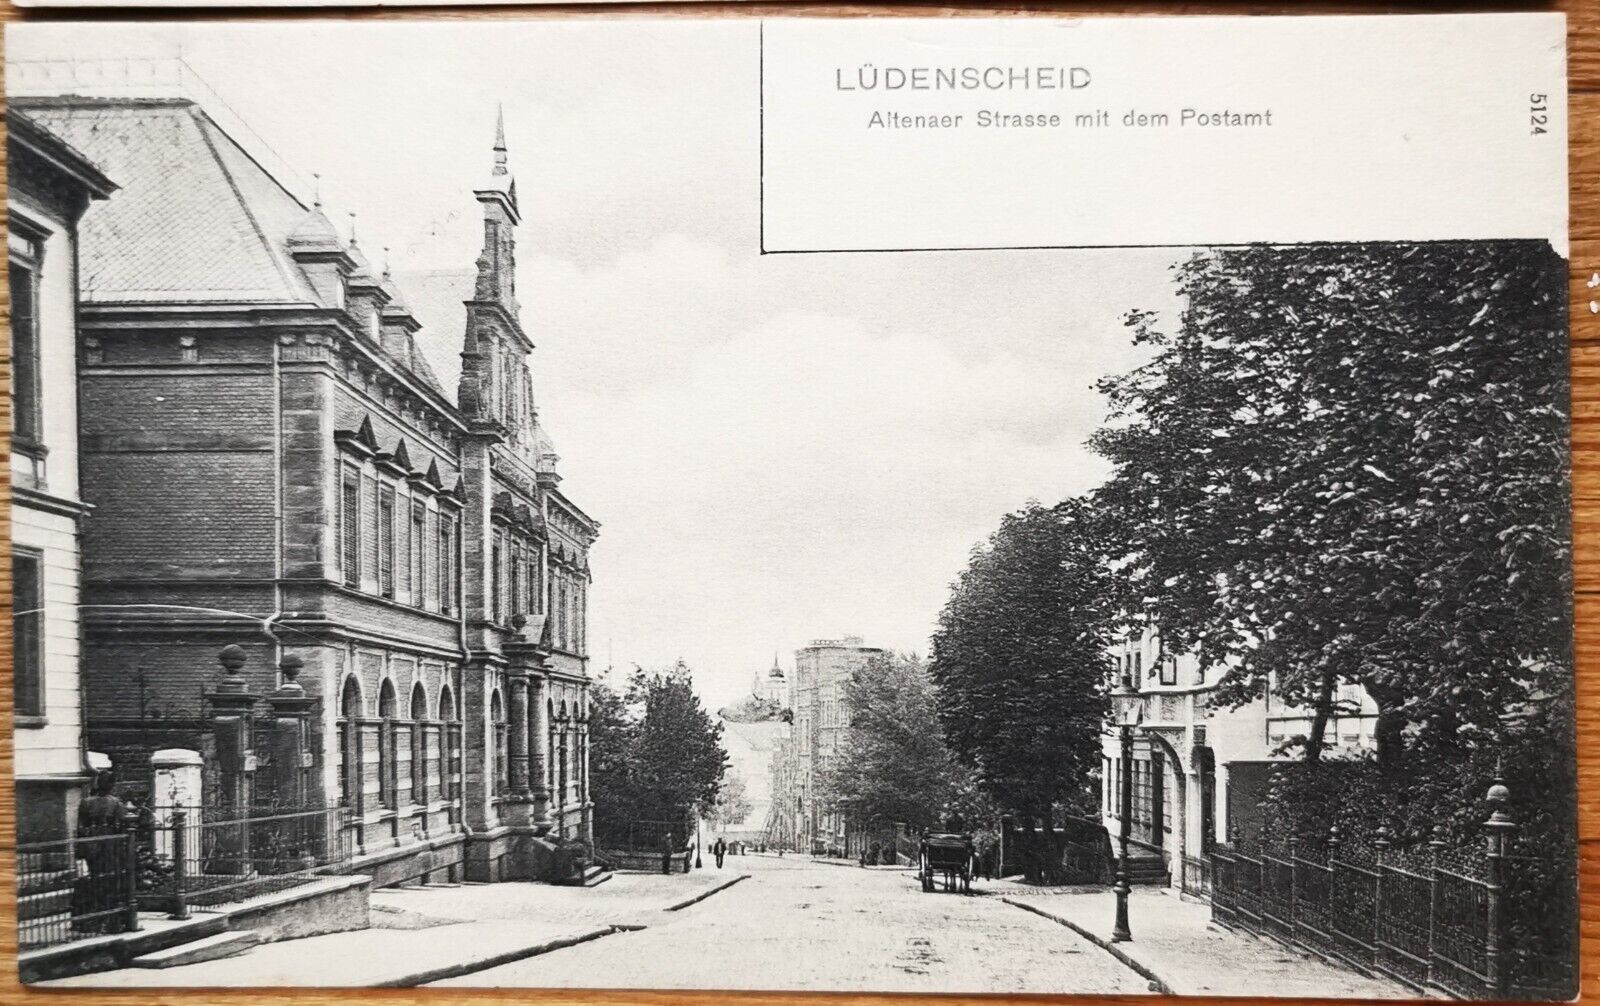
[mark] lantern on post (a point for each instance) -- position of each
(1499, 830)
(1126, 706)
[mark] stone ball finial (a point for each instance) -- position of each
(232, 658)
(519, 621)
(291, 665)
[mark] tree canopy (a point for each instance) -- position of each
(655, 753)
(1021, 657)
(893, 764)
(1348, 464)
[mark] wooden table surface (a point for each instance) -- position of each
(1583, 54)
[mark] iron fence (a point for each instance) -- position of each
(1495, 926)
(644, 836)
(1195, 878)
(76, 888)
(209, 856)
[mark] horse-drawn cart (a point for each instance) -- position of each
(949, 856)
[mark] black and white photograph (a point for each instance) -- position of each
(1028, 506)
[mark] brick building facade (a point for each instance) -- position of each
(282, 456)
(821, 716)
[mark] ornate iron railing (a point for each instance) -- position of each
(208, 856)
(1493, 926)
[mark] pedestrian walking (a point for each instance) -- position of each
(666, 853)
(102, 861)
(719, 850)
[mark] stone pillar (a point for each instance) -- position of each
(583, 777)
(539, 748)
(517, 734)
(232, 724)
(477, 747)
(176, 785)
(233, 727)
(293, 760)
(517, 805)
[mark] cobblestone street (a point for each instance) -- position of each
(797, 924)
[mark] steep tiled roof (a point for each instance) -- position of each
(197, 219)
(438, 301)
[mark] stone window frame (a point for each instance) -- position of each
(386, 539)
(350, 536)
(417, 523)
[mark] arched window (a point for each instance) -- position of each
(449, 764)
(563, 727)
(350, 745)
(386, 752)
(502, 764)
(419, 745)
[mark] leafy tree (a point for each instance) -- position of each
(655, 754)
(893, 764)
(678, 759)
(1021, 658)
(612, 734)
(1348, 464)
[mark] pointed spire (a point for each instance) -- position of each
(316, 190)
(500, 140)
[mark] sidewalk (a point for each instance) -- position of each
(424, 934)
(1176, 947)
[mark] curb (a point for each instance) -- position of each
(1139, 968)
(703, 895)
(509, 957)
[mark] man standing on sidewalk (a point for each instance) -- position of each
(719, 850)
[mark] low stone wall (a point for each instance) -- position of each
(335, 905)
(646, 862)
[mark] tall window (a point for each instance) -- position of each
(419, 552)
(447, 564)
(502, 764)
(496, 574)
(419, 745)
(386, 752)
(1169, 670)
(350, 528)
(27, 255)
(350, 746)
(27, 598)
(386, 541)
(517, 564)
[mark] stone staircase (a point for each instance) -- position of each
(593, 875)
(1148, 869)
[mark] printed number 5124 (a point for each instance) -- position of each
(1538, 113)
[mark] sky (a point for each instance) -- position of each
(778, 448)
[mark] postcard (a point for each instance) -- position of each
(1028, 505)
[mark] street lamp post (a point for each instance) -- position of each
(1125, 703)
(697, 864)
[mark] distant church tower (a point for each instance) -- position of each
(772, 687)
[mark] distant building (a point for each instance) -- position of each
(51, 185)
(821, 671)
(772, 687)
(1200, 770)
